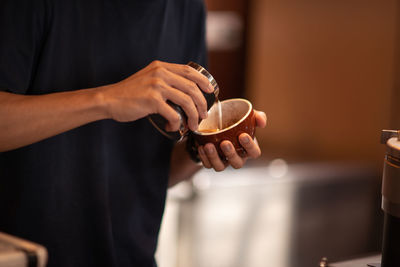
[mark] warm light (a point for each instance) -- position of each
(202, 182)
(278, 168)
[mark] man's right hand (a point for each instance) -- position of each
(147, 91)
(26, 119)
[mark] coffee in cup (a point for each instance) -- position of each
(237, 117)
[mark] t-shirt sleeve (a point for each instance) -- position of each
(22, 24)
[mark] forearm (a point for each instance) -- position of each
(26, 119)
(182, 167)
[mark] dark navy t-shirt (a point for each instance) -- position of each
(94, 196)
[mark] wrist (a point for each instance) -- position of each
(102, 101)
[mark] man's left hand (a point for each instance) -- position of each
(209, 156)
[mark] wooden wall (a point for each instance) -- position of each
(323, 71)
(228, 65)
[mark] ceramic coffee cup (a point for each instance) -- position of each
(237, 117)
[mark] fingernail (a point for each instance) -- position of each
(193, 125)
(226, 147)
(204, 115)
(210, 88)
(200, 150)
(245, 140)
(263, 113)
(210, 150)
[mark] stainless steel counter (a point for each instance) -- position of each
(273, 215)
(362, 262)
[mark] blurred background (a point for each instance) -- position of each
(326, 74)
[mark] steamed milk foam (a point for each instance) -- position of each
(219, 114)
(219, 118)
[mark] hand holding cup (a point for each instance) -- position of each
(235, 142)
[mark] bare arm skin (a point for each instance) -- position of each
(182, 167)
(28, 119)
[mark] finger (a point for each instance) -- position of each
(173, 118)
(213, 157)
(189, 87)
(191, 74)
(261, 119)
(185, 102)
(251, 147)
(233, 158)
(203, 157)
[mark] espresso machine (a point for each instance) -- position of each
(391, 207)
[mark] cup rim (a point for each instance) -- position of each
(233, 125)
